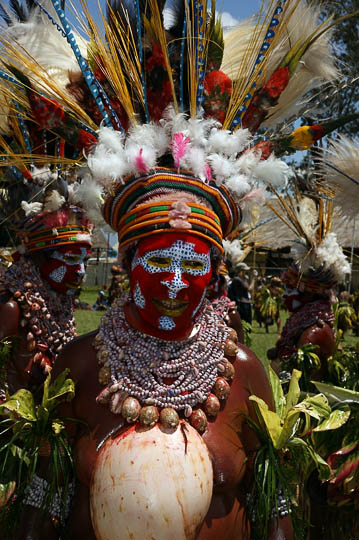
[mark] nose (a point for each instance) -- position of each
(175, 284)
(81, 271)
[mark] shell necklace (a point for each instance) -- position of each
(149, 379)
(47, 315)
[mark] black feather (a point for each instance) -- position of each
(177, 8)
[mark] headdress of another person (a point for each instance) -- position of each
(318, 260)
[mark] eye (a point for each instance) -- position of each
(72, 258)
(192, 265)
(159, 262)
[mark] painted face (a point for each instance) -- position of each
(65, 268)
(292, 299)
(169, 278)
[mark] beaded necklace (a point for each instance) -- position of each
(150, 379)
(48, 316)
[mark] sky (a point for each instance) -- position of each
(237, 9)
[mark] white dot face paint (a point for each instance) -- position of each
(65, 268)
(138, 297)
(58, 274)
(172, 280)
(166, 323)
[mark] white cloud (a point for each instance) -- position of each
(228, 20)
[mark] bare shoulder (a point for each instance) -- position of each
(252, 374)
(320, 335)
(77, 356)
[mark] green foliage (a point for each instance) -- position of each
(287, 455)
(307, 361)
(25, 429)
(247, 333)
(6, 351)
(343, 366)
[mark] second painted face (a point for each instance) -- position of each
(169, 278)
(65, 268)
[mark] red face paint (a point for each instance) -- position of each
(65, 268)
(169, 277)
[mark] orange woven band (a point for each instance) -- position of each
(57, 237)
(153, 218)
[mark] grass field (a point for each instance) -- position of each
(87, 321)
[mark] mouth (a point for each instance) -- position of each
(170, 308)
(72, 285)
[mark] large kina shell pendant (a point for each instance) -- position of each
(151, 484)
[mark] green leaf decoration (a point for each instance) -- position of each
(336, 394)
(278, 395)
(273, 423)
(6, 490)
(335, 420)
(316, 406)
(310, 459)
(294, 391)
(57, 427)
(22, 403)
(62, 387)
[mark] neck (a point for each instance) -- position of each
(137, 322)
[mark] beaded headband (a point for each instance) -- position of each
(134, 221)
(54, 238)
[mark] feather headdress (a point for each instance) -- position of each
(150, 102)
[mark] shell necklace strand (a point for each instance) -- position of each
(144, 374)
(47, 315)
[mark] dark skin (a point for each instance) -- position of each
(23, 372)
(231, 444)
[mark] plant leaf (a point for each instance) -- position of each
(272, 420)
(22, 403)
(294, 391)
(335, 420)
(316, 406)
(335, 393)
(278, 395)
(61, 388)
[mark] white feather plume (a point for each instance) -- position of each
(111, 139)
(316, 66)
(233, 251)
(225, 142)
(53, 201)
(150, 135)
(89, 195)
(327, 256)
(273, 171)
(195, 160)
(331, 255)
(340, 168)
(108, 166)
(31, 208)
(238, 185)
(221, 166)
(42, 41)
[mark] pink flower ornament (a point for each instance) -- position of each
(179, 214)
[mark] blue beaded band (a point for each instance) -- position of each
(270, 34)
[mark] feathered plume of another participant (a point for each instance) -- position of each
(339, 166)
